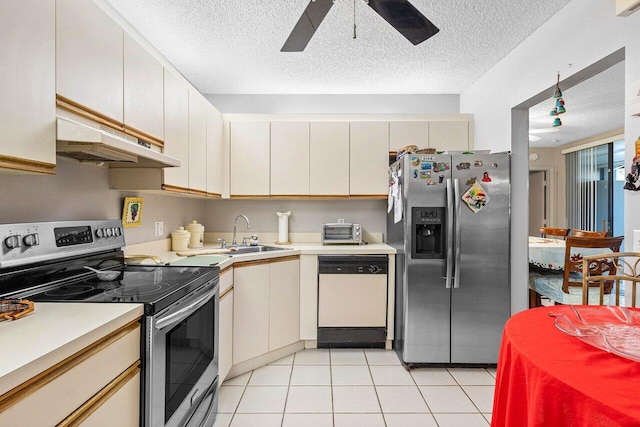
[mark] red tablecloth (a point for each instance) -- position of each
(547, 378)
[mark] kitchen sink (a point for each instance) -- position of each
(241, 250)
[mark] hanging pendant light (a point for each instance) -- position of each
(559, 105)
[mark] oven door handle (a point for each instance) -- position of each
(184, 312)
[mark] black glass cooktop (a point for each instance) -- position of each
(155, 286)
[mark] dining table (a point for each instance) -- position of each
(546, 377)
(548, 254)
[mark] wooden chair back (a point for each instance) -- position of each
(585, 233)
(549, 231)
(573, 259)
(618, 267)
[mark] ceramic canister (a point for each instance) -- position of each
(197, 234)
(180, 239)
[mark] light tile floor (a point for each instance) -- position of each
(354, 388)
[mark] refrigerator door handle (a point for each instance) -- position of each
(458, 206)
(447, 279)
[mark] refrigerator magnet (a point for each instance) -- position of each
(477, 163)
(475, 198)
(486, 177)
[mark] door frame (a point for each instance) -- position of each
(551, 193)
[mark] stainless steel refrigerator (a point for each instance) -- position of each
(449, 220)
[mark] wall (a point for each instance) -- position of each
(306, 215)
(281, 104)
(589, 32)
(80, 192)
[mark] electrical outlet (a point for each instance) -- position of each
(341, 221)
(159, 228)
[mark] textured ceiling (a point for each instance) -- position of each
(594, 107)
(233, 46)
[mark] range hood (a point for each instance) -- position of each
(88, 141)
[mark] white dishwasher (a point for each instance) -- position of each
(352, 301)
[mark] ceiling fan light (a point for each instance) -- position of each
(553, 112)
(557, 93)
(561, 109)
(559, 102)
(557, 122)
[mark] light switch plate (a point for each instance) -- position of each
(159, 228)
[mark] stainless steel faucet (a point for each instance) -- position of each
(234, 242)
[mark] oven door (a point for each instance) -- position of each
(182, 361)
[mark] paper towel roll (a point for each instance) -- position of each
(283, 227)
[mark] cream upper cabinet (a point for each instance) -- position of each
(197, 142)
(215, 154)
(452, 135)
(250, 147)
(369, 158)
(402, 134)
(143, 90)
(250, 311)
(284, 303)
(27, 83)
(176, 130)
(329, 159)
(89, 58)
(289, 158)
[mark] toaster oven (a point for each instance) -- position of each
(340, 233)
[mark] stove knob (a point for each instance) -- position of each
(31, 240)
(108, 232)
(117, 231)
(12, 242)
(99, 233)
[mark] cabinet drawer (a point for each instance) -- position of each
(54, 394)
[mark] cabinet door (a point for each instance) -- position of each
(249, 158)
(197, 142)
(284, 303)
(27, 84)
(369, 158)
(225, 341)
(402, 134)
(308, 297)
(89, 58)
(329, 159)
(176, 130)
(143, 90)
(122, 409)
(290, 158)
(215, 129)
(250, 311)
(449, 136)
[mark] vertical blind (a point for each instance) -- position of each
(582, 195)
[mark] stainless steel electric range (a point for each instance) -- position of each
(46, 262)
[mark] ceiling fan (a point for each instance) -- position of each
(401, 14)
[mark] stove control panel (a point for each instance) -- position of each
(26, 243)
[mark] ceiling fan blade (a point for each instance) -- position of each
(405, 18)
(307, 25)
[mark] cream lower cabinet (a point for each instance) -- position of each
(266, 306)
(225, 331)
(97, 382)
(308, 297)
(27, 84)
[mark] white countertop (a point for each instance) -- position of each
(53, 332)
(292, 249)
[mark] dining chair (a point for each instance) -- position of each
(616, 269)
(585, 233)
(550, 231)
(566, 287)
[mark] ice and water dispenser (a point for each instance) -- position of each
(428, 232)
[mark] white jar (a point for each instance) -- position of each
(180, 239)
(197, 234)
